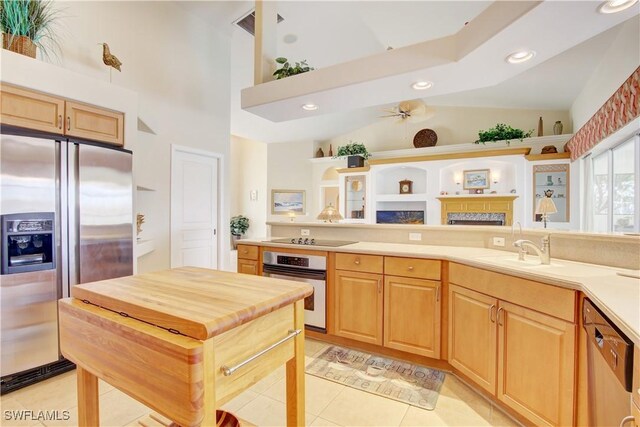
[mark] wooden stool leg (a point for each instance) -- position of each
(295, 373)
(88, 399)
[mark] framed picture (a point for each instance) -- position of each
(284, 202)
(475, 179)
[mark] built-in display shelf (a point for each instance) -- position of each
(144, 247)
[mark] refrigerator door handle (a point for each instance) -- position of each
(72, 206)
(61, 221)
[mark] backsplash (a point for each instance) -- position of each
(611, 250)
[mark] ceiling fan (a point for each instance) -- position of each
(413, 111)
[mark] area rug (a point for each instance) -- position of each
(393, 379)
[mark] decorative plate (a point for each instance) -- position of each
(425, 138)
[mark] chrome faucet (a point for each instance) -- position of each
(521, 251)
(544, 253)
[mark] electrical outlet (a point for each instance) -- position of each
(415, 236)
(304, 231)
(498, 241)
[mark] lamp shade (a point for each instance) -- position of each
(330, 214)
(546, 206)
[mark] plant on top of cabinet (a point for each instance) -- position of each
(355, 151)
(288, 70)
(239, 225)
(27, 25)
(501, 132)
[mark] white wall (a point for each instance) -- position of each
(179, 67)
(622, 58)
(454, 125)
(289, 169)
(249, 173)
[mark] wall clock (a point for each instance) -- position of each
(406, 187)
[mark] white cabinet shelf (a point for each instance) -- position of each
(144, 247)
(420, 197)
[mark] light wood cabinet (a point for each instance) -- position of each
(248, 252)
(85, 121)
(32, 110)
(473, 336)
(536, 364)
(412, 315)
(248, 266)
(358, 262)
(523, 356)
(358, 306)
(412, 267)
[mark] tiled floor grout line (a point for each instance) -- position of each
(406, 411)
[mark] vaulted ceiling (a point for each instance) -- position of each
(570, 38)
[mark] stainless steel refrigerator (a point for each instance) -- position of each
(66, 219)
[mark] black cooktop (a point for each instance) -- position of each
(307, 241)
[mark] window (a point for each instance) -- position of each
(614, 188)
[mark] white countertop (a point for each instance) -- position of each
(617, 296)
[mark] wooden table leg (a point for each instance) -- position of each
(295, 372)
(88, 399)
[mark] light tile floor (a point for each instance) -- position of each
(327, 404)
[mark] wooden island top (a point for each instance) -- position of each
(184, 341)
(196, 302)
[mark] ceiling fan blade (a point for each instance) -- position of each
(390, 115)
(410, 105)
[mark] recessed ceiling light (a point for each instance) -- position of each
(614, 6)
(309, 107)
(520, 56)
(422, 85)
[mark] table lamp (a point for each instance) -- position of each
(330, 214)
(546, 207)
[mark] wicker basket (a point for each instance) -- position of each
(19, 44)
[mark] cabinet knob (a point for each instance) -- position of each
(357, 261)
(68, 122)
(410, 268)
(60, 121)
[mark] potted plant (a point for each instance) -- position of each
(27, 25)
(288, 70)
(501, 132)
(239, 225)
(356, 152)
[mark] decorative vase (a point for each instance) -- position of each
(355, 161)
(540, 127)
(19, 44)
(330, 150)
(557, 128)
(320, 153)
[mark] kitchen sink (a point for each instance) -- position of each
(532, 264)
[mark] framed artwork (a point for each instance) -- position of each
(475, 179)
(284, 202)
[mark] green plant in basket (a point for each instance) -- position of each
(34, 20)
(501, 132)
(239, 225)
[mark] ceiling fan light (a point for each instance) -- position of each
(422, 85)
(613, 6)
(520, 56)
(310, 107)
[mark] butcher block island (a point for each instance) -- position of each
(184, 341)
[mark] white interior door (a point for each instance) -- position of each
(194, 208)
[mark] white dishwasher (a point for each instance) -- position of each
(610, 369)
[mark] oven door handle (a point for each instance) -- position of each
(295, 272)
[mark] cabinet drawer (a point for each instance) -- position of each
(549, 299)
(244, 341)
(247, 252)
(412, 267)
(357, 262)
(247, 266)
(27, 109)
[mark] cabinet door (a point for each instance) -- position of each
(31, 110)
(412, 315)
(84, 121)
(536, 365)
(472, 335)
(248, 266)
(358, 306)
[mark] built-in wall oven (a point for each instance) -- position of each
(311, 269)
